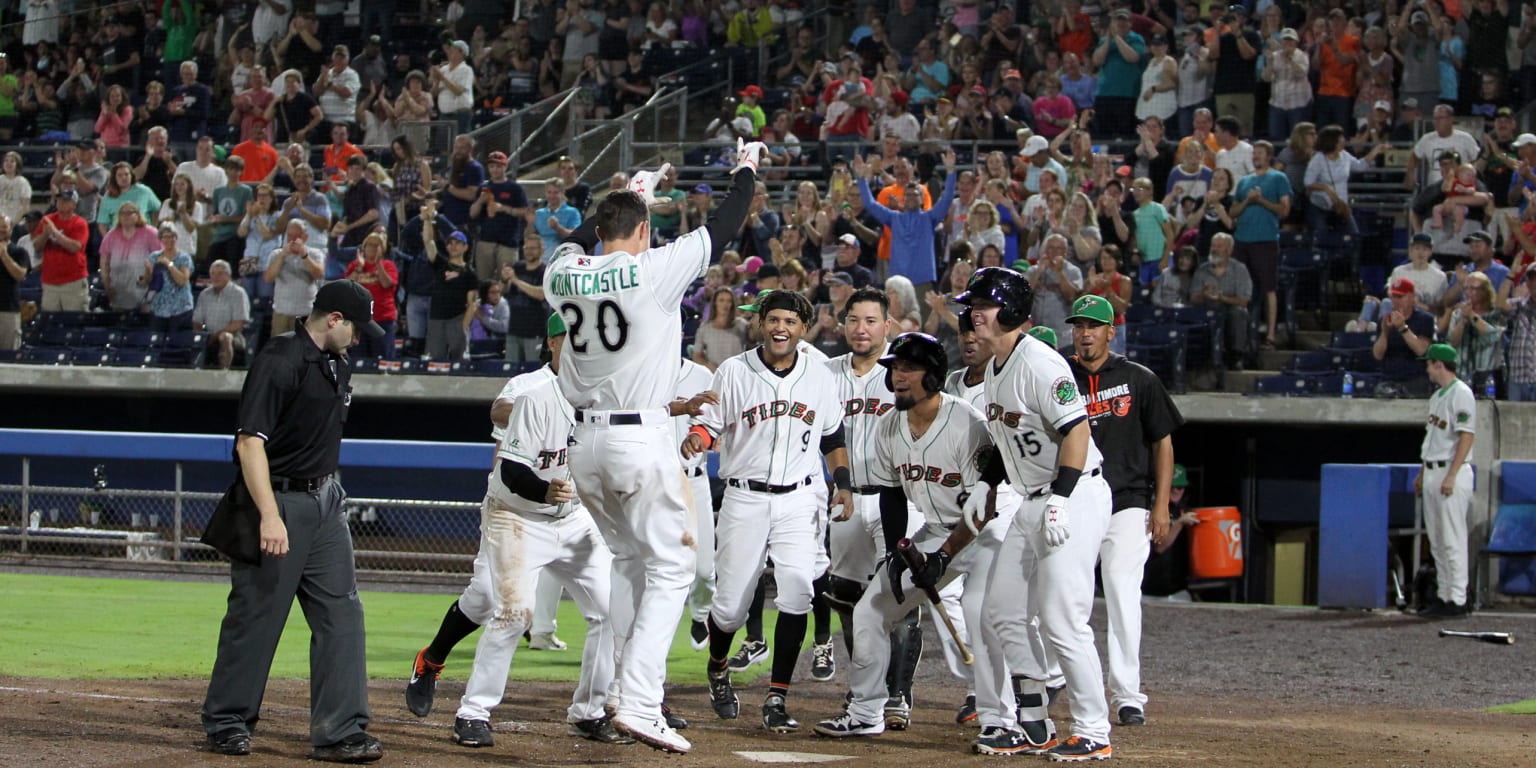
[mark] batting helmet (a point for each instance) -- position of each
(967, 325)
(1008, 289)
(924, 350)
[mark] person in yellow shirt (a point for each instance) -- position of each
(751, 26)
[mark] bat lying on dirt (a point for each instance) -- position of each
(1497, 638)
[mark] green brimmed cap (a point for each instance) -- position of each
(1095, 308)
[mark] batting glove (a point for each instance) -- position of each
(749, 154)
(644, 183)
(974, 512)
(894, 565)
(934, 566)
(1054, 525)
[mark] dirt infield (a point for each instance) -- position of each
(1228, 687)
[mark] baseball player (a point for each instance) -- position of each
(856, 547)
(777, 411)
(622, 312)
(927, 451)
(1133, 420)
(1039, 427)
(1446, 480)
(692, 379)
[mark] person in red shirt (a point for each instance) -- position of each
(61, 238)
(260, 156)
(337, 152)
(380, 277)
(1337, 54)
(1074, 31)
(852, 94)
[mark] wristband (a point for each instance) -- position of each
(1066, 481)
(842, 478)
(697, 429)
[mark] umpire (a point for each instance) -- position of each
(1132, 418)
(288, 440)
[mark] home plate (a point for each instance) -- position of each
(791, 757)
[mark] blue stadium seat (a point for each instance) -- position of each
(1303, 283)
(1352, 340)
(45, 356)
(89, 356)
(133, 358)
(361, 364)
(1317, 361)
(499, 368)
(139, 339)
(1161, 347)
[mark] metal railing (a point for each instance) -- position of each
(529, 133)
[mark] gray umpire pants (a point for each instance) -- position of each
(318, 569)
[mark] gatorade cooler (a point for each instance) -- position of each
(1216, 544)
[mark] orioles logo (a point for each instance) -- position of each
(1122, 405)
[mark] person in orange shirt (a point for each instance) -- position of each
(890, 197)
(1202, 136)
(1336, 54)
(337, 153)
(260, 157)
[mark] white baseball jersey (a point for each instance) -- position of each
(1028, 400)
(937, 469)
(809, 350)
(1452, 410)
(769, 427)
(864, 400)
(692, 379)
(954, 384)
(516, 386)
(621, 316)
(537, 436)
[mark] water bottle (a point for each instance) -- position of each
(1490, 388)
(1349, 385)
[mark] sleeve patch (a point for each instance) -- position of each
(1462, 417)
(1064, 391)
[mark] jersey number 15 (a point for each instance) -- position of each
(1027, 444)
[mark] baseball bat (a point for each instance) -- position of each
(915, 562)
(1497, 638)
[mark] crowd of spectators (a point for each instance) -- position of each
(1146, 151)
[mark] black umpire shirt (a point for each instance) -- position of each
(296, 398)
(1128, 411)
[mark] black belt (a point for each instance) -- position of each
(1436, 464)
(762, 487)
(697, 472)
(1043, 491)
(299, 485)
(866, 490)
(615, 418)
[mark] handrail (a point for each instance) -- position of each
(548, 120)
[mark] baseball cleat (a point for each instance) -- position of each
(231, 741)
(967, 713)
(1132, 716)
(1078, 749)
(823, 663)
(599, 729)
(844, 725)
(546, 641)
(775, 717)
(652, 732)
(997, 740)
(357, 748)
(1445, 610)
(1039, 736)
(674, 720)
(423, 685)
(472, 733)
(898, 714)
(698, 635)
(751, 652)
(722, 696)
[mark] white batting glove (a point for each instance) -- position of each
(1054, 523)
(974, 512)
(749, 154)
(644, 183)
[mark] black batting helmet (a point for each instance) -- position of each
(924, 350)
(967, 325)
(1008, 289)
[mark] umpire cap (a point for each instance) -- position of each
(1008, 289)
(924, 350)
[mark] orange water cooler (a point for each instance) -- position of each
(1216, 544)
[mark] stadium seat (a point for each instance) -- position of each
(1352, 340)
(89, 356)
(133, 358)
(361, 364)
(1303, 283)
(1317, 361)
(45, 356)
(139, 339)
(1162, 348)
(1513, 540)
(500, 368)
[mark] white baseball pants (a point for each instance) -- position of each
(878, 611)
(630, 478)
(857, 545)
(517, 549)
(1030, 577)
(1007, 504)
(703, 591)
(753, 525)
(545, 605)
(1122, 560)
(1445, 520)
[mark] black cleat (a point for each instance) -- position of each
(674, 720)
(231, 741)
(599, 729)
(722, 696)
(1132, 716)
(472, 733)
(1078, 749)
(423, 685)
(775, 718)
(358, 748)
(967, 715)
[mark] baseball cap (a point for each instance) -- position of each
(1384, 105)
(1180, 477)
(849, 239)
(554, 326)
(755, 302)
(354, 303)
(1238, 8)
(767, 270)
(1289, 34)
(1504, 112)
(1095, 308)
(1449, 156)
(1160, 40)
(1402, 287)
(1044, 333)
(1020, 266)
(751, 90)
(1524, 139)
(458, 237)
(1444, 353)
(841, 278)
(86, 144)
(1034, 146)
(69, 194)
(1013, 74)
(462, 46)
(498, 158)
(375, 40)
(1422, 238)
(1120, 13)
(1124, 170)
(703, 189)
(1408, 103)
(751, 265)
(1418, 17)
(979, 90)
(1481, 236)
(851, 55)
(900, 98)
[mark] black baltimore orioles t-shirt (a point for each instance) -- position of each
(1128, 409)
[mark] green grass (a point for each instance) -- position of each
(1527, 707)
(80, 627)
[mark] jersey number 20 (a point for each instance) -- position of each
(607, 311)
